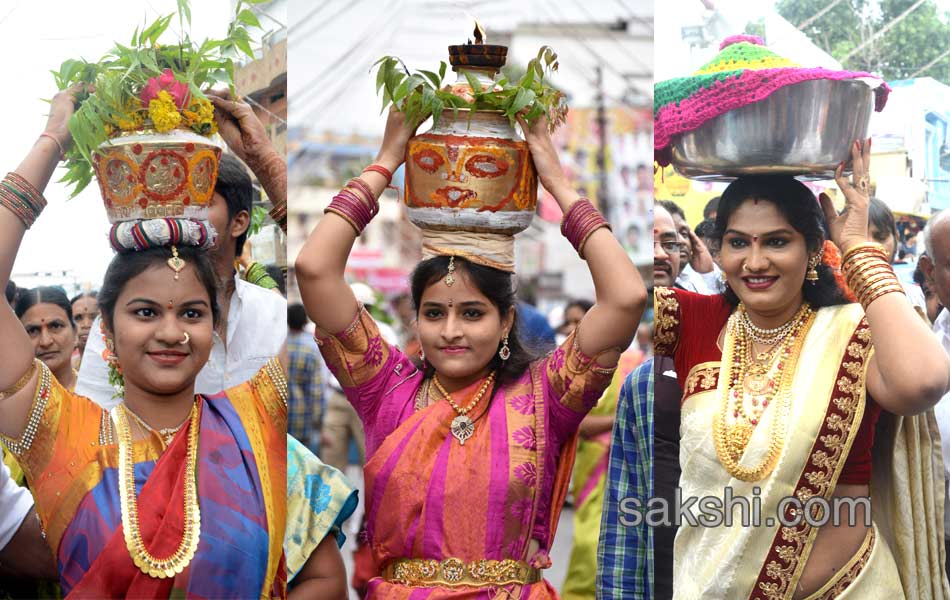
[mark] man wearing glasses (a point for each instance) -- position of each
(634, 559)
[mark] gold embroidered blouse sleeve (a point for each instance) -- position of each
(64, 435)
(270, 390)
(35, 446)
(356, 354)
(575, 378)
(666, 322)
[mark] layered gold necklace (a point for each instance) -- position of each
(751, 383)
(462, 426)
(143, 559)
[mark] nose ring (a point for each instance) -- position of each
(745, 267)
(185, 340)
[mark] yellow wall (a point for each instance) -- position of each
(668, 185)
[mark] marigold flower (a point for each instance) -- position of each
(163, 112)
(199, 116)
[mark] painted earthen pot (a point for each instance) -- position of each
(151, 175)
(471, 172)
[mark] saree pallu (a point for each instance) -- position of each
(319, 501)
(429, 497)
(826, 408)
(72, 466)
(589, 480)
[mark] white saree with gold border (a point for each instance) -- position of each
(827, 405)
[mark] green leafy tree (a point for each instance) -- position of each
(903, 51)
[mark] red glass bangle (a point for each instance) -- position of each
(381, 170)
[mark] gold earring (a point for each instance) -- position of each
(505, 352)
(812, 275)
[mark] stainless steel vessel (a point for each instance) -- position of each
(805, 129)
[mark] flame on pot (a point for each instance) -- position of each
(480, 36)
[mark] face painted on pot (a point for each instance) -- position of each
(451, 171)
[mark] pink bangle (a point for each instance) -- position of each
(382, 171)
(358, 204)
(579, 222)
(356, 208)
(360, 185)
(62, 151)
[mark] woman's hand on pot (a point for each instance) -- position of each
(242, 131)
(392, 153)
(544, 155)
(851, 226)
(62, 107)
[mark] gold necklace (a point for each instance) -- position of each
(143, 559)
(462, 426)
(742, 382)
(167, 434)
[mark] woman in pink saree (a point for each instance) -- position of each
(468, 451)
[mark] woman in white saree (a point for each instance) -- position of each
(784, 382)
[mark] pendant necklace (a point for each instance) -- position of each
(462, 426)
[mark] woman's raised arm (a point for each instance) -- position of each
(21, 197)
(620, 293)
(909, 371)
(321, 262)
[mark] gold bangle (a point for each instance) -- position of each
(871, 285)
(21, 382)
(865, 277)
(858, 270)
(863, 258)
(866, 246)
(863, 280)
(866, 302)
(878, 284)
(863, 263)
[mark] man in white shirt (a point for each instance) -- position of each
(936, 269)
(23, 551)
(254, 326)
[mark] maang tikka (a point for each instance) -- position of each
(450, 276)
(176, 263)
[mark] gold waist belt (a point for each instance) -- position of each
(424, 572)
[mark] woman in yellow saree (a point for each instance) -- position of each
(784, 381)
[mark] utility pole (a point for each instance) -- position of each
(603, 195)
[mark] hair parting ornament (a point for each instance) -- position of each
(450, 275)
(176, 263)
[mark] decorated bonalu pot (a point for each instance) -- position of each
(154, 175)
(472, 171)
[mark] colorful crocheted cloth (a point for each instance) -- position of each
(744, 71)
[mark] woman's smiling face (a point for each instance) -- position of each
(764, 258)
(459, 328)
(153, 313)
